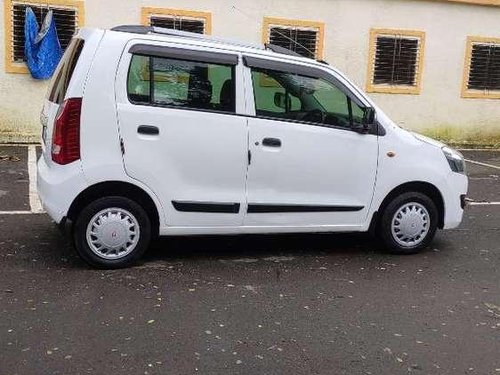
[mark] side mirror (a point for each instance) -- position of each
(280, 100)
(367, 122)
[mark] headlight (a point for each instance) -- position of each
(455, 160)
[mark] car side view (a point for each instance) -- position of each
(150, 132)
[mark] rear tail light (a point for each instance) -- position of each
(66, 135)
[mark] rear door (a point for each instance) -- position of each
(181, 133)
(309, 167)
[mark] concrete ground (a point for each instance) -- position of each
(294, 304)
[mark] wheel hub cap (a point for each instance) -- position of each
(410, 224)
(113, 233)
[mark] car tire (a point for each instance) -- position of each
(408, 223)
(112, 232)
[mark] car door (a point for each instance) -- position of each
(181, 135)
(310, 166)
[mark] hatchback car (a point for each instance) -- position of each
(149, 131)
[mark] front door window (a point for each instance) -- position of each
(288, 96)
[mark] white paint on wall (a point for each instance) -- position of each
(347, 22)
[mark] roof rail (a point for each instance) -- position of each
(134, 29)
(138, 29)
(281, 50)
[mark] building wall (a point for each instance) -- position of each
(438, 109)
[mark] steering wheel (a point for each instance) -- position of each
(316, 115)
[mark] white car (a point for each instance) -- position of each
(149, 131)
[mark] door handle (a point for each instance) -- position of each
(271, 142)
(148, 129)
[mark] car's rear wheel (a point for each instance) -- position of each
(112, 232)
(409, 223)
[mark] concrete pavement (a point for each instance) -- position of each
(291, 304)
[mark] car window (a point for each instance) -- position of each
(266, 88)
(296, 97)
(335, 102)
(62, 76)
(179, 83)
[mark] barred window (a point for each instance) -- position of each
(395, 61)
(304, 42)
(484, 70)
(67, 19)
(179, 23)
(302, 37)
(184, 20)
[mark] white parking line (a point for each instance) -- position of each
(483, 203)
(478, 149)
(482, 164)
(35, 205)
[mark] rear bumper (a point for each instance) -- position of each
(58, 186)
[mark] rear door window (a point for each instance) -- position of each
(62, 76)
(179, 83)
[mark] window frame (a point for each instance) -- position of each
(181, 54)
(371, 87)
(21, 68)
(148, 12)
(269, 22)
(476, 94)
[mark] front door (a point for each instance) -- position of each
(181, 135)
(309, 167)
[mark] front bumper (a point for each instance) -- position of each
(455, 199)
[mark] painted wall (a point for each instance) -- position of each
(20, 100)
(439, 107)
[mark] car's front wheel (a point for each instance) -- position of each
(112, 232)
(408, 223)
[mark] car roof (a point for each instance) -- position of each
(202, 40)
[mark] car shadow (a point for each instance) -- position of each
(195, 249)
(56, 250)
(257, 245)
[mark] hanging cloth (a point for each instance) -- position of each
(42, 49)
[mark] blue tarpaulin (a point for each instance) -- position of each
(42, 49)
